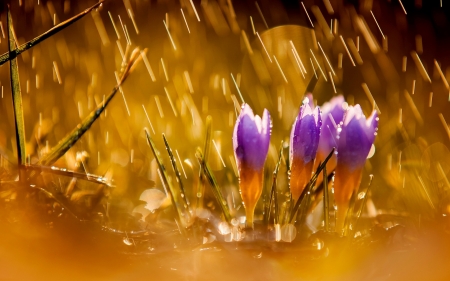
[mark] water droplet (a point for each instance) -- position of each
(203, 214)
(209, 238)
(361, 195)
(318, 244)
(258, 255)
(288, 232)
(127, 241)
(154, 198)
(228, 237)
(224, 228)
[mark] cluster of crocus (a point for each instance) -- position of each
(313, 136)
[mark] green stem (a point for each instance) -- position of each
(17, 99)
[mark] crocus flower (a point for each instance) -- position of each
(251, 138)
(304, 141)
(354, 142)
(332, 116)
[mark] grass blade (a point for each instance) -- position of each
(176, 204)
(177, 172)
(201, 180)
(13, 52)
(16, 98)
(71, 174)
(273, 192)
(69, 140)
(326, 200)
(363, 203)
(215, 187)
(310, 185)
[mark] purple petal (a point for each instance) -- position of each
(305, 134)
(356, 138)
(332, 115)
(251, 138)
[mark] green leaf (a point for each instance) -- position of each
(176, 204)
(273, 191)
(16, 97)
(214, 186)
(13, 52)
(310, 185)
(177, 171)
(201, 180)
(326, 200)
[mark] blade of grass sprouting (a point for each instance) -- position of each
(52, 170)
(176, 204)
(207, 138)
(214, 186)
(349, 215)
(177, 172)
(304, 207)
(201, 181)
(326, 199)
(14, 52)
(16, 98)
(310, 184)
(363, 203)
(70, 139)
(273, 190)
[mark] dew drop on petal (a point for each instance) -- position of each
(371, 152)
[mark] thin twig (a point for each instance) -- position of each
(201, 181)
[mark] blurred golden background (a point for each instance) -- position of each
(204, 58)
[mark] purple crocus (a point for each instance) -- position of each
(332, 115)
(355, 139)
(304, 141)
(251, 138)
